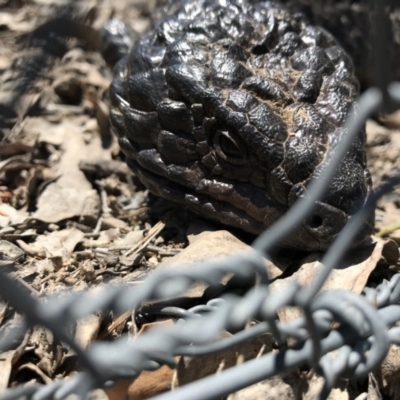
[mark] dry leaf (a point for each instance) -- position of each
(87, 330)
(10, 252)
(148, 384)
(71, 195)
(210, 246)
(56, 244)
(373, 388)
(58, 202)
(352, 274)
(14, 149)
(13, 22)
(193, 368)
(290, 386)
(10, 216)
(43, 342)
(9, 358)
(34, 368)
(6, 363)
(129, 240)
(389, 370)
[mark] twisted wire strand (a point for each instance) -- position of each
(366, 323)
(124, 358)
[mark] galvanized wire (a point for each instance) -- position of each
(366, 323)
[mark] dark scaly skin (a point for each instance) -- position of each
(230, 111)
(349, 21)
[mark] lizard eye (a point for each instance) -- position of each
(229, 148)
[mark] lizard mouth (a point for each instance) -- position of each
(315, 234)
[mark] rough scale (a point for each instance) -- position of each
(229, 108)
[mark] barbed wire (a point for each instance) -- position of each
(365, 324)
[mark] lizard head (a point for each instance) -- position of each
(232, 110)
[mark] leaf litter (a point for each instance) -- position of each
(72, 215)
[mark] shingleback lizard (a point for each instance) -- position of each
(230, 108)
